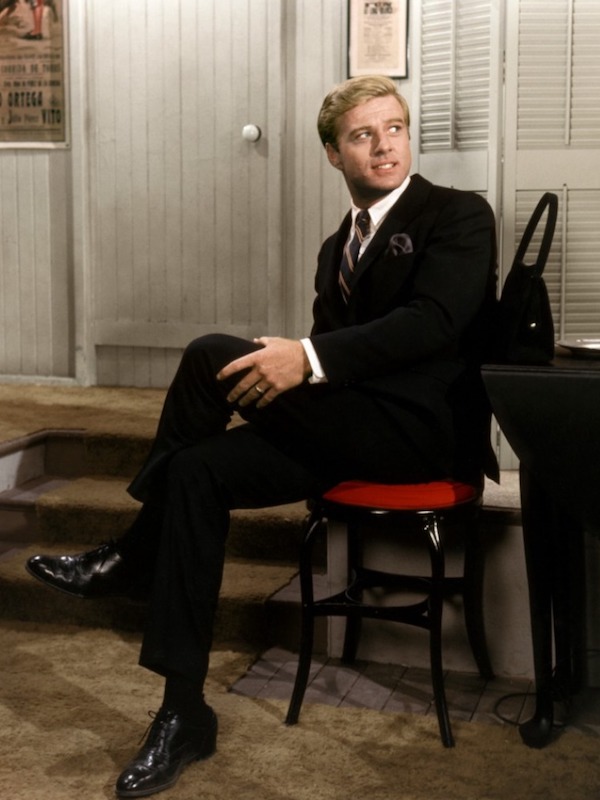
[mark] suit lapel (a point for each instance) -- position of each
(331, 267)
(399, 217)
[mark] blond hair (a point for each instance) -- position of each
(352, 93)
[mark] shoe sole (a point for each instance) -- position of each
(129, 594)
(53, 586)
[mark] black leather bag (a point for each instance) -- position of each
(524, 329)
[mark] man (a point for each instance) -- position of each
(385, 388)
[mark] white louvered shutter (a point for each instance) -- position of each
(455, 68)
(458, 68)
(553, 144)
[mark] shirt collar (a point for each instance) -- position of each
(378, 210)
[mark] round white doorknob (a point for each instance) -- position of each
(251, 133)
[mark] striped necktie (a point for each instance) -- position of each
(362, 227)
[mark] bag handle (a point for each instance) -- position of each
(548, 200)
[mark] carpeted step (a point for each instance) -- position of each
(114, 425)
(86, 445)
(87, 510)
(91, 510)
(115, 454)
(247, 586)
(79, 452)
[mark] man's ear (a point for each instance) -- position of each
(333, 155)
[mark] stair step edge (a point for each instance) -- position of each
(12, 565)
(242, 615)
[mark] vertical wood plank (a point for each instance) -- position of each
(319, 198)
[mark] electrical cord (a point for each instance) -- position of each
(560, 695)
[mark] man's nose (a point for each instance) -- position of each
(381, 143)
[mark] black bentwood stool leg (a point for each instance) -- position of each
(436, 602)
(313, 524)
(472, 591)
(425, 613)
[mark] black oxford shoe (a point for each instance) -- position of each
(98, 573)
(170, 746)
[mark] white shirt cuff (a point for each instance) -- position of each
(318, 374)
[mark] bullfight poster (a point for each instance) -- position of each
(33, 73)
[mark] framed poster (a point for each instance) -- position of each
(378, 32)
(34, 74)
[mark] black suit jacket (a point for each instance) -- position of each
(415, 329)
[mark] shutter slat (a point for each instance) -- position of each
(455, 93)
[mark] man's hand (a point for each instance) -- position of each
(278, 366)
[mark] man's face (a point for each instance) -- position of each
(373, 149)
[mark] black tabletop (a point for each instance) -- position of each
(551, 418)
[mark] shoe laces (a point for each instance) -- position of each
(152, 715)
(104, 551)
(158, 721)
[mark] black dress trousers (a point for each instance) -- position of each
(199, 469)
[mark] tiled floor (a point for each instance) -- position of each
(390, 688)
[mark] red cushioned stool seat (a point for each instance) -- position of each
(426, 508)
(402, 496)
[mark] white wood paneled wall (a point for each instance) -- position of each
(36, 336)
(194, 229)
(162, 223)
(316, 198)
(186, 213)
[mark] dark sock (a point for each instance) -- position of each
(139, 544)
(186, 697)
